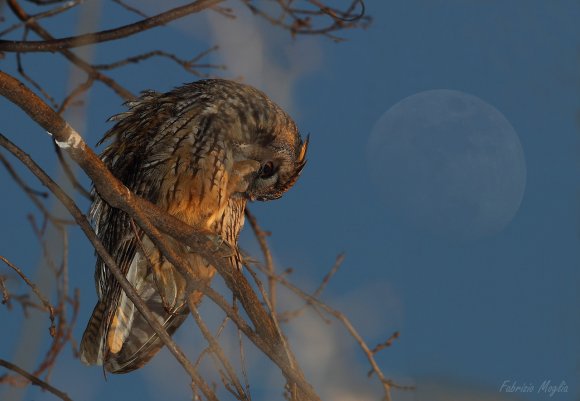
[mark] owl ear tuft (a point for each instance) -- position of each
(303, 150)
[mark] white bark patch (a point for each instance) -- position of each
(74, 140)
(62, 145)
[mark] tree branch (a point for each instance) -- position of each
(52, 45)
(45, 302)
(73, 58)
(217, 350)
(35, 380)
(261, 236)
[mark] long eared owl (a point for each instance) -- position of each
(200, 152)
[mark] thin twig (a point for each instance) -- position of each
(27, 189)
(261, 236)
(70, 174)
(288, 315)
(207, 349)
(31, 80)
(385, 344)
(217, 350)
(33, 194)
(5, 293)
(190, 66)
(300, 21)
(79, 90)
(35, 380)
(45, 302)
(131, 8)
(329, 275)
(46, 14)
(387, 383)
(243, 363)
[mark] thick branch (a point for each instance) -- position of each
(52, 45)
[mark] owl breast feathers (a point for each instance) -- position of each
(200, 152)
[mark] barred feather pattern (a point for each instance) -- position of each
(199, 153)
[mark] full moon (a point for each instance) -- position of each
(447, 164)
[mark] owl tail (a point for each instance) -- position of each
(91, 343)
(130, 341)
(121, 339)
(131, 347)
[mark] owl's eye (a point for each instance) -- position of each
(267, 170)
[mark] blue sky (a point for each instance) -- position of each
(471, 313)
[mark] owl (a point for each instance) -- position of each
(200, 152)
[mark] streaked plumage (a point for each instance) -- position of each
(199, 152)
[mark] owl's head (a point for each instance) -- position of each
(261, 142)
(262, 134)
(281, 162)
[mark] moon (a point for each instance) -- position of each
(446, 163)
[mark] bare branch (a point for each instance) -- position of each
(190, 66)
(301, 21)
(45, 302)
(207, 349)
(386, 344)
(27, 189)
(46, 14)
(329, 275)
(31, 80)
(5, 293)
(33, 194)
(70, 174)
(35, 380)
(288, 315)
(264, 344)
(130, 8)
(243, 361)
(217, 350)
(261, 236)
(73, 58)
(387, 384)
(51, 45)
(79, 90)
